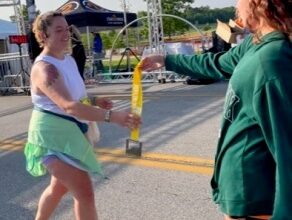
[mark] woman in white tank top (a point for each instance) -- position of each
(56, 138)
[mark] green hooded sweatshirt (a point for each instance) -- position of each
(253, 163)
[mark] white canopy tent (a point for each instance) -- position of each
(7, 28)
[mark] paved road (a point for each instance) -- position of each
(170, 181)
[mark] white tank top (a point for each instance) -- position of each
(72, 79)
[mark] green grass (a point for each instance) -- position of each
(123, 65)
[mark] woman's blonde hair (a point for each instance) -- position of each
(41, 24)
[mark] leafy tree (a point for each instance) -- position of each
(172, 26)
(106, 40)
(207, 27)
(111, 35)
(24, 13)
(143, 25)
(203, 15)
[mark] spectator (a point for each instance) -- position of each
(78, 51)
(98, 54)
(97, 43)
(34, 48)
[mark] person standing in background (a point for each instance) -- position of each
(78, 51)
(34, 48)
(98, 54)
(97, 43)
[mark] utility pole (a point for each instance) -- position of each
(31, 9)
(125, 10)
(19, 17)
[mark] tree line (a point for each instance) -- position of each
(202, 17)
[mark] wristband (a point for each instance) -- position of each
(86, 101)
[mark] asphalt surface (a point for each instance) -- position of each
(171, 180)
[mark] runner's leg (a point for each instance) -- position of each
(50, 199)
(79, 184)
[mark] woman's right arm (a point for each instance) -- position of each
(47, 80)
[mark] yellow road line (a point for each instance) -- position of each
(151, 160)
(11, 145)
(159, 160)
(155, 97)
(161, 94)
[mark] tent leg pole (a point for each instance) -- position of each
(88, 40)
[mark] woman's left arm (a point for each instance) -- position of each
(273, 107)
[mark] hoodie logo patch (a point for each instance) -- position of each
(230, 103)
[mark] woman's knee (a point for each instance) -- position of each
(84, 193)
(57, 189)
(76, 181)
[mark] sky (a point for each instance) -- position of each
(116, 5)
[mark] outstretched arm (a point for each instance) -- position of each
(208, 65)
(47, 80)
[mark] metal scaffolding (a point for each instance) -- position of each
(8, 2)
(17, 13)
(12, 80)
(155, 29)
(155, 26)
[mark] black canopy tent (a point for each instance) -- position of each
(89, 17)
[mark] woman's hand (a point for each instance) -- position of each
(126, 119)
(152, 62)
(104, 103)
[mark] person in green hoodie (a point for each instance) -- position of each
(253, 164)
